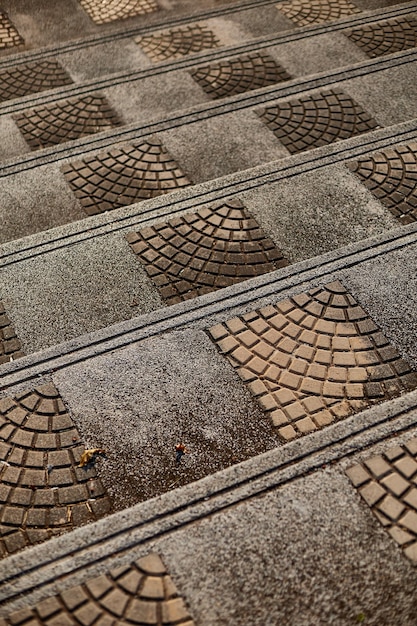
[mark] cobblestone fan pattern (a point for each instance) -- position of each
(178, 42)
(385, 37)
(123, 176)
(205, 251)
(313, 359)
(244, 73)
(23, 80)
(9, 36)
(63, 121)
(388, 484)
(141, 593)
(103, 11)
(43, 492)
(392, 177)
(317, 120)
(10, 346)
(306, 12)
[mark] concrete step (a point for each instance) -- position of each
(205, 142)
(95, 272)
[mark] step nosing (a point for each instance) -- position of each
(201, 112)
(193, 60)
(191, 312)
(202, 193)
(151, 519)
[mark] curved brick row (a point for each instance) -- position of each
(42, 490)
(141, 593)
(388, 484)
(32, 78)
(111, 10)
(317, 120)
(313, 359)
(392, 177)
(9, 36)
(10, 346)
(123, 176)
(204, 251)
(305, 12)
(178, 42)
(244, 73)
(385, 37)
(62, 121)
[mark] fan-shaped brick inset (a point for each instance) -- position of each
(43, 492)
(317, 120)
(103, 11)
(32, 78)
(385, 37)
(140, 593)
(306, 12)
(205, 251)
(313, 359)
(10, 346)
(9, 37)
(388, 484)
(178, 42)
(244, 73)
(123, 176)
(63, 121)
(392, 177)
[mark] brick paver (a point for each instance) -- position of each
(140, 593)
(387, 482)
(313, 359)
(391, 176)
(204, 251)
(243, 73)
(385, 37)
(10, 345)
(9, 37)
(23, 80)
(62, 121)
(123, 176)
(306, 12)
(178, 42)
(317, 120)
(102, 11)
(43, 492)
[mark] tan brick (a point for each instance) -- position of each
(285, 396)
(407, 466)
(309, 337)
(411, 552)
(235, 325)
(257, 365)
(263, 350)
(258, 326)
(140, 611)
(151, 564)
(174, 611)
(378, 466)
(272, 336)
(341, 344)
(273, 373)
(153, 588)
(411, 498)
(342, 409)
(242, 355)
(345, 329)
(372, 492)
(278, 321)
(257, 388)
(287, 345)
(287, 433)
(310, 385)
(337, 374)
(281, 359)
(317, 371)
(399, 535)
(394, 452)
(313, 404)
(344, 359)
(409, 520)
(358, 475)
(248, 338)
(267, 403)
(323, 342)
(290, 380)
(285, 306)
(323, 418)
(333, 390)
(228, 344)
(305, 425)
(308, 322)
(279, 418)
(245, 374)
(115, 601)
(411, 446)
(297, 366)
(354, 390)
(323, 357)
(325, 327)
(395, 483)
(268, 311)
(218, 332)
(391, 507)
(357, 375)
(305, 352)
(292, 330)
(295, 411)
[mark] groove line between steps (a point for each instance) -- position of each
(327, 446)
(224, 187)
(9, 107)
(176, 316)
(202, 112)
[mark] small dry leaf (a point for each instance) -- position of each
(88, 456)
